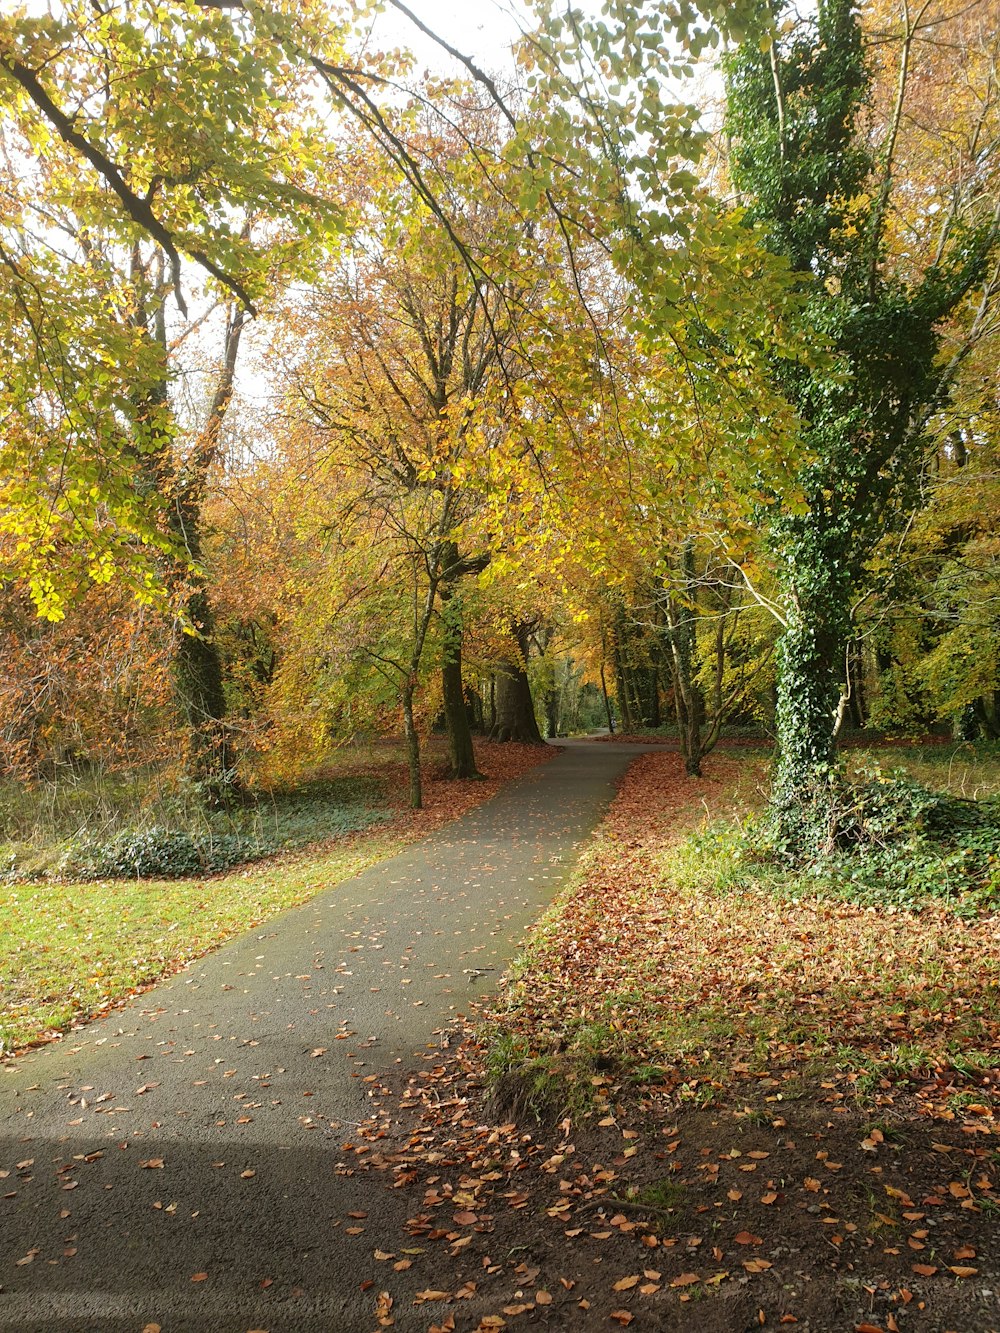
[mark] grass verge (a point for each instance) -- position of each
(71, 950)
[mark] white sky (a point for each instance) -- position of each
(480, 29)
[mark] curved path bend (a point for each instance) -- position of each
(197, 1132)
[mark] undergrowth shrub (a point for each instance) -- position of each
(157, 851)
(143, 854)
(881, 838)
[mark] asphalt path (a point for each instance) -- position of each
(180, 1162)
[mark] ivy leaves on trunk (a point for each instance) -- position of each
(816, 168)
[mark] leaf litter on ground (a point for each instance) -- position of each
(705, 1101)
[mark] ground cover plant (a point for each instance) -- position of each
(140, 824)
(711, 1101)
(70, 949)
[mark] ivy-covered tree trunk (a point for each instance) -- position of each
(198, 683)
(198, 668)
(810, 683)
(808, 163)
(197, 663)
(855, 670)
(412, 737)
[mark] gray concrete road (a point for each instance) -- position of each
(180, 1163)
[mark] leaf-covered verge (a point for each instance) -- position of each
(72, 950)
(712, 1107)
(677, 957)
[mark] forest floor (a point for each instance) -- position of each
(70, 951)
(724, 1109)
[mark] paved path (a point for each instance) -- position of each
(199, 1130)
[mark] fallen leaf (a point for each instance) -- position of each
(626, 1283)
(621, 1317)
(925, 1270)
(199, 1277)
(152, 1164)
(960, 1270)
(685, 1280)
(747, 1238)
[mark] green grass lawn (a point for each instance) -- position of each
(70, 950)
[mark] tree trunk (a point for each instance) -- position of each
(607, 702)
(688, 703)
(197, 671)
(621, 689)
(412, 747)
(197, 665)
(552, 713)
(651, 697)
(461, 755)
(515, 709)
(987, 711)
(856, 685)
(490, 720)
(474, 703)
(456, 713)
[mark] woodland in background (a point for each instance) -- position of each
(343, 402)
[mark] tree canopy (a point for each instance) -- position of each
(486, 355)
